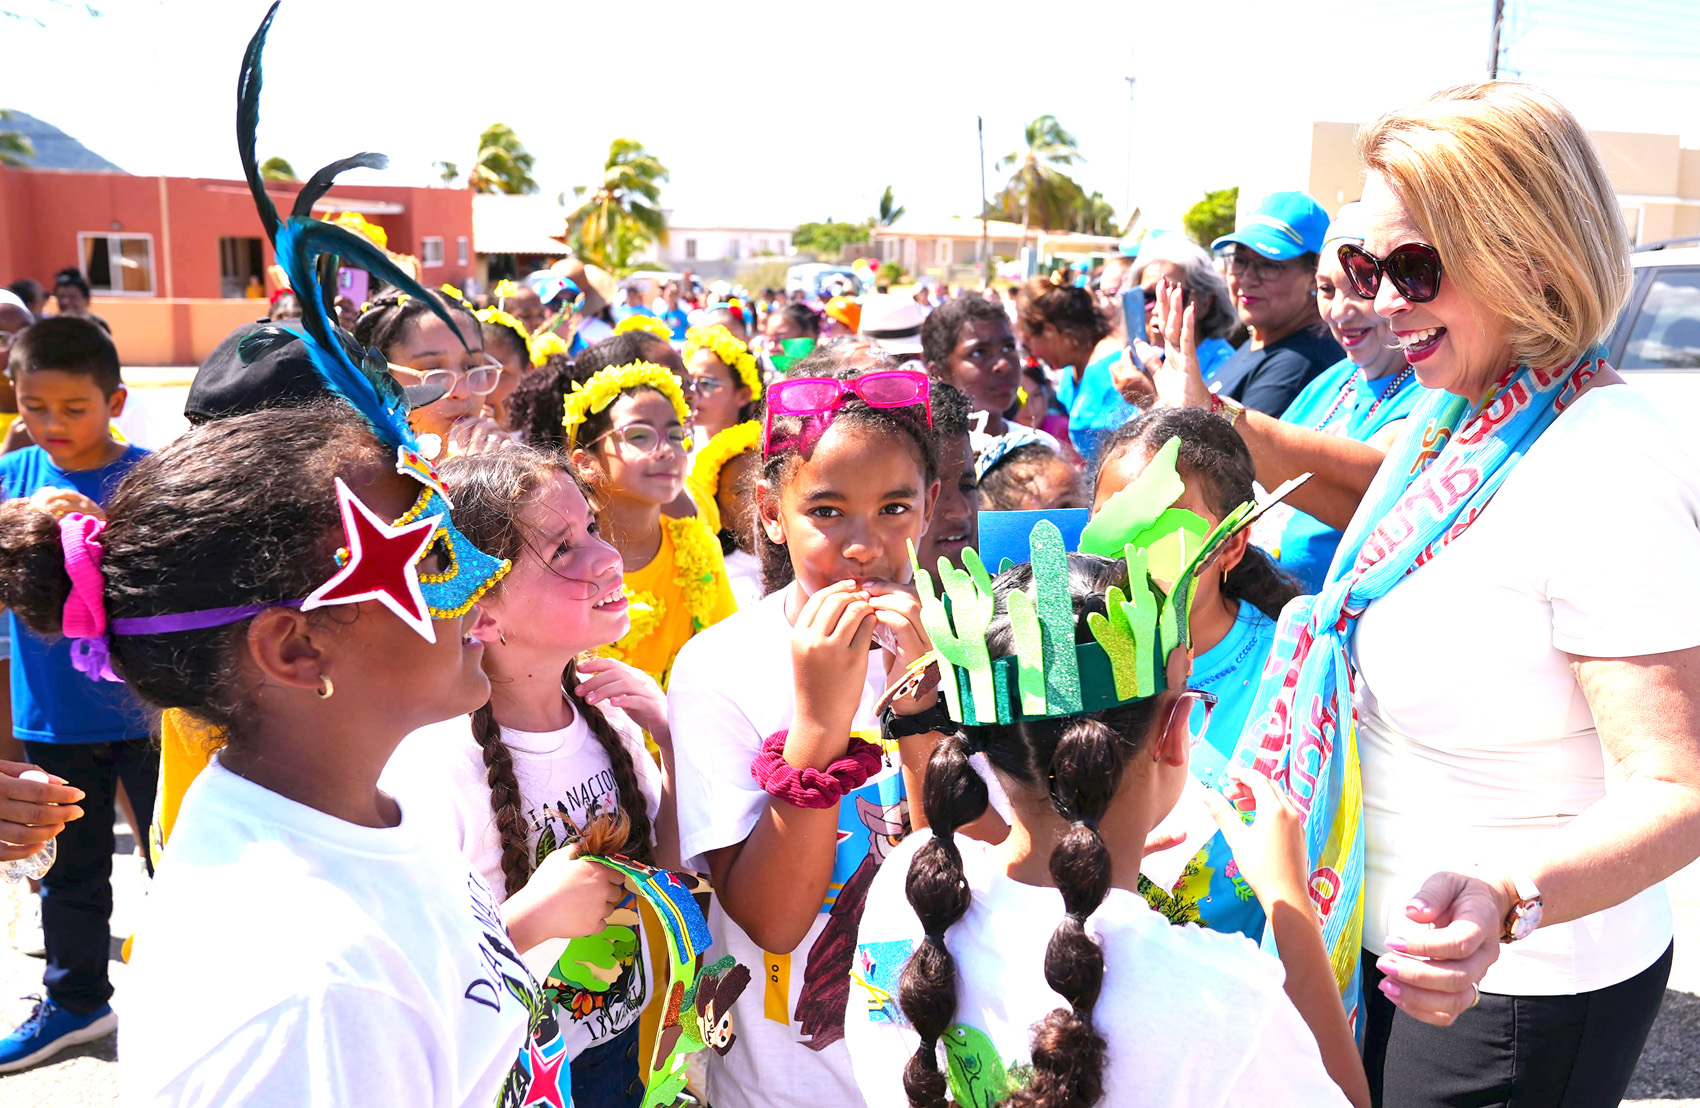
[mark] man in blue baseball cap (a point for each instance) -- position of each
(1272, 279)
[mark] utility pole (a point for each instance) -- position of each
(985, 258)
(1493, 41)
(1132, 127)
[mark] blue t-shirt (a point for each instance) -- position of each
(1095, 409)
(1211, 354)
(1211, 892)
(626, 311)
(678, 322)
(51, 701)
(1302, 544)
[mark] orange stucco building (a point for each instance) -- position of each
(170, 258)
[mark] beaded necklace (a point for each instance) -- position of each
(1392, 388)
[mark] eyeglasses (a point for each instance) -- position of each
(704, 387)
(1414, 269)
(481, 379)
(644, 439)
(1243, 263)
(1189, 698)
(7, 338)
(805, 396)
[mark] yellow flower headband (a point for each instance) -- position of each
(606, 385)
(503, 319)
(546, 346)
(704, 481)
(645, 323)
(723, 344)
(504, 289)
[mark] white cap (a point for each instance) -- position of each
(892, 321)
(7, 296)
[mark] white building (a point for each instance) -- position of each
(711, 248)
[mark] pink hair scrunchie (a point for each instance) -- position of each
(810, 787)
(84, 621)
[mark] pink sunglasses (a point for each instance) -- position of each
(806, 396)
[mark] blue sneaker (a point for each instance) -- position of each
(50, 1029)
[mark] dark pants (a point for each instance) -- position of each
(1575, 1051)
(606, 1075)
(76, 894)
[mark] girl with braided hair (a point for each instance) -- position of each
(555, 749)
(1031, 972)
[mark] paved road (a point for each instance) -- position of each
(1669, 1076)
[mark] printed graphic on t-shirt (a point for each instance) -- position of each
(872, 820)
(540, 1075)
(599, 981)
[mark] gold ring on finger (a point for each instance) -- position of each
(1477, 997)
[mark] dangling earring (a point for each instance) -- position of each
(502, 636)
(326, 689)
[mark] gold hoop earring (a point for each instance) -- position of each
(326, 689)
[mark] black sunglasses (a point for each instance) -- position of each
(1414, 269)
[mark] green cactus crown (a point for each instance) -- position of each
(1049, 674)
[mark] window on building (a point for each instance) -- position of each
(463, 250)
(118, 265)
(239, 259)
(735, 248)
(1666, 334)
(431, 251)
(690, 250)
(941, 252)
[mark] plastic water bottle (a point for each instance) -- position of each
(33, 867)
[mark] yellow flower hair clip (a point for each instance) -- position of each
(645, 323)
(504, 289)
(545, 346)
(454, 294)
(723, 344)
(704, 481)
(606, 385)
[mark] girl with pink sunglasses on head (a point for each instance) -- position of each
(790, 792)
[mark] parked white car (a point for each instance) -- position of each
(1656, 341)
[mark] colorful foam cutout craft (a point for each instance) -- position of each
(1144, 514)
(1003, 535)
(698, 998)
(310, 252)
(1131, 642)
(382, 564)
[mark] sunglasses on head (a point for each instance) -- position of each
(1414, 269)
(806, 396)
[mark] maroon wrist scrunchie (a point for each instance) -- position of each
(813, 788)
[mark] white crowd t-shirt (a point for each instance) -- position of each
(1191, 1017)
(732, 688)
(287, 957)
(1476, 741)
(564, 780)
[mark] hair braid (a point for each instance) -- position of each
(1068, 1051)
(639, 845)
(952, 795)
(504, 800)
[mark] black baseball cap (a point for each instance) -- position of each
(278, 372)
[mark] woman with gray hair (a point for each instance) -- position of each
(1178, 259)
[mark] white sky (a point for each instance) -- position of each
(773, 114)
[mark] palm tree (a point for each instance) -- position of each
(890, 211)
(622, 214)
(14, 145)
(448, 171)
(1040, 188)
(275, 168)
(503, 163)
(1096, 216)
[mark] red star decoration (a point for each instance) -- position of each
(382, 564)
(545, 1079)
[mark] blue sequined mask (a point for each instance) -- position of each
(468, 573)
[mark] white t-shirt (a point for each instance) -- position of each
(743, 573)
(1477, 744)
(1191, 1017)
(731, 689)
(287, 957)
(564, 780)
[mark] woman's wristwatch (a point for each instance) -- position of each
(1226, 407)
(1525, 914)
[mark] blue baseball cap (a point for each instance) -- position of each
(1285, 225)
